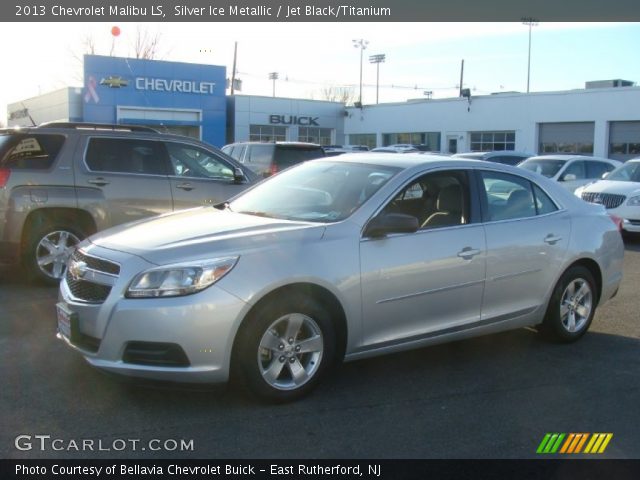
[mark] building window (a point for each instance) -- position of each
(584, 148)
(368, 139)
(431, 140)
(267, 133)
(492, 141)
(321, 136)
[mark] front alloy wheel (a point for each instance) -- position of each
(290, 351)
(284, 347)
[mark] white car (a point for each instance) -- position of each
(572, 171)
(619, 193)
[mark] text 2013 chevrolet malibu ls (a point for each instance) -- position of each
(346, 258)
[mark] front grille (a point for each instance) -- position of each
(90, 288)
(95, 263)
(87, 291)
(609, 200)
(635, 222)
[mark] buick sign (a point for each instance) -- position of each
(293, 120)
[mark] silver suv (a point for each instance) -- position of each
(61, 182)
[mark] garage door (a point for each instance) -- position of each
(566, 137)
(624, 140)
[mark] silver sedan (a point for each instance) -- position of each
(334, 259)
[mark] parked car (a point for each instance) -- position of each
(619, 192)
(394, 149)
(327, 260)
(266, 159)
(61, 182)
(572, 171)
(507, 157)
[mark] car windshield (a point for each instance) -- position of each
(318, 191)
(629, 172)
(547, 167)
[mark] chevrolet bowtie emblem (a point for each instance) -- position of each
(114, 82)
(77, 270)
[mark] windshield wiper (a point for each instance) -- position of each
(257, 214)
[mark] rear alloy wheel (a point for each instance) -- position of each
(49, 251)
(572, 306)
(285, 348)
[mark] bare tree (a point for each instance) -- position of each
(344, 95)
(146, 44)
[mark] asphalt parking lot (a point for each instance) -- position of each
(490, 397)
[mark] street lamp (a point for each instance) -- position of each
(274, 76)
(377, 59)
(362, 45)
(532, 22)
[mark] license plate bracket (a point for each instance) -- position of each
(67, 322)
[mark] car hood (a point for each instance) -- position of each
(203, 233)
(614, 186)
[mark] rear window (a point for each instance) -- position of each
(288, 156)
(29, 152)
(549, 168)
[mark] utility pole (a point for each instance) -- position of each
(461, 76)
(377, 59)
(361, 43)
(233, 72)
(273, 76)
(532, 22)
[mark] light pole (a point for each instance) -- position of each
(362, 45)
(273, 76)
(532, 22)
(377, 59)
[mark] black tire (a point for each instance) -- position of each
(575, 295)
(268, 323)
(48, 274)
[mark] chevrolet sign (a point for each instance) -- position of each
(181, 86)
(114, 82)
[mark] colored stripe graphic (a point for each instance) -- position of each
(574, 443)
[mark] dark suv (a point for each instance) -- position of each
(61, 182)
(265, 159)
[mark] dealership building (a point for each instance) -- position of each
(189, 99)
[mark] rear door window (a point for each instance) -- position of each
(34, 152)
(122, 155)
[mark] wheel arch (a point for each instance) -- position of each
(595, 271)
(325, 297)
(71, 216)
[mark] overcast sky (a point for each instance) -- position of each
(309, 56)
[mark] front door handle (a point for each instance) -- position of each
(101, 182)
(185, 186)
(552, 239)
(468, 253)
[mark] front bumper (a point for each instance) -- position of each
(202, 326)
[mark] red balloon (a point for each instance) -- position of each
(115, 31)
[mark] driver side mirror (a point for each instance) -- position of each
(238, 175)
(604, 175)
(387, 223)
(569, 177)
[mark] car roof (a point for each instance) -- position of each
(284, 144)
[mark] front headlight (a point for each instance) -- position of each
(179, 279)
(634, 201)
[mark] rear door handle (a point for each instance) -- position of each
(101, 182)
(185, 186)
(468, 253)
(552, 239)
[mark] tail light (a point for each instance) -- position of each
(4, 176)
(617, 221)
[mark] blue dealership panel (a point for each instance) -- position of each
(161, 91)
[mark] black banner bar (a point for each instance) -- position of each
(542, 469)
(316, 10)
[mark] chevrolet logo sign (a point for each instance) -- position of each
(114, 82)
(77, 270)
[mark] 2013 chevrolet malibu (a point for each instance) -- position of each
(334, 259)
